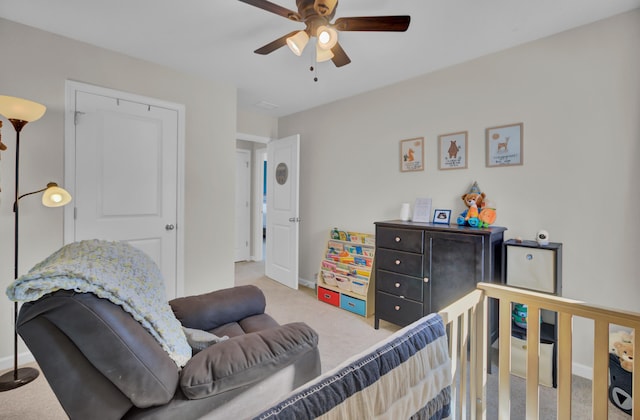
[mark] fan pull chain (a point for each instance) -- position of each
(315, 76)
(314, 68)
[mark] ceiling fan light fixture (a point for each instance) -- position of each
(323, 55)
(324, 7)
(297, 42)
(327, 37)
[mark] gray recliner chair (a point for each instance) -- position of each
(102, 364)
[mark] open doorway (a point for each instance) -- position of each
(257, 217)
(281, 254)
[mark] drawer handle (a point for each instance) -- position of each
(327, 296)
(353, 305)
(397, 307)
(426, 280)
(397, 262)
(398, 239)
(397, 284)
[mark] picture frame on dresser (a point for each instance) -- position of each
(442, 217)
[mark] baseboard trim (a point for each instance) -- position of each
(307, 283)
(583, 371)
(6, 363)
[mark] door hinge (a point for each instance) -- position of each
(75, 213)
(76, 115)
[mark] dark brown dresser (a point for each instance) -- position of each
(423, 267)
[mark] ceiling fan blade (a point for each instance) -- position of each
(340, 58)
(274, 8)
(373, 23)
(274, 45)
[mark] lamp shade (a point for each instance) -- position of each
(327, 37)
(55, 196)
(20, 109)
(297, 42)
(323, 55)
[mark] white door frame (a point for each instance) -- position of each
(258, 182)
(256, 205)
(71, 87)
(246, 192)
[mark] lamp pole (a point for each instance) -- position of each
(20, 112)
(22, 376)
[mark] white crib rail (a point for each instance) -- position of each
(466, 320)
(471, 311)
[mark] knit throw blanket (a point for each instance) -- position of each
(115, 271)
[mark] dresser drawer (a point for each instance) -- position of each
(329, 296)
(400, 239)
(354, 305)
(399, 285)
(397, 310)
(399, 262)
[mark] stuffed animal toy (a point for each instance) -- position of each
(621, 336)
(478, 213)
(621, 344)
(625, 352)
(472, 201)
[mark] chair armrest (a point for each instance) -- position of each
(210, 310)
(245, 359)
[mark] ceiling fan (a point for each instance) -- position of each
(317, 16)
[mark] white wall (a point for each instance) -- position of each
(35, 65)
(578, 95)
(256, 124)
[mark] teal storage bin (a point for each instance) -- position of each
(357, 306)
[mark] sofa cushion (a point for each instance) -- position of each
(248, 325)
(245, 359)
(211, 310)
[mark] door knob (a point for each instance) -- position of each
(169, 227)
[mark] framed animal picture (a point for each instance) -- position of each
(412, 154)
(452, 150)
(504, 145)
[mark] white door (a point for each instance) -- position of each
(126, 177)
(243, 210)
(283, 163)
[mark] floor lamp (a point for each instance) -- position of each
(20, 112)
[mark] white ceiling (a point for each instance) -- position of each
(216, 38)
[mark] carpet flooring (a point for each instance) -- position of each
(342, 334)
